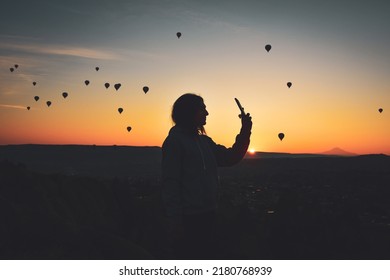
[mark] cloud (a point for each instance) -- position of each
(13, 106)
(61, 50)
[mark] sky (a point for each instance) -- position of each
(335, 53)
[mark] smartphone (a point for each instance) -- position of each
(240, 107)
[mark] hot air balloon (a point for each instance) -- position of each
(34, 83)
(380, 110)
(36, 98)
(86, 82)
(146, 89)
(48, 103)
(97, 68)
(178, 34)
(28, 107)
(128, 128)
(107, 85)
(11, 69)
(65, 94)
(267, 48)
(281, 136)
(289, 84)
(117, 86)
(120, 110)
(16, 66)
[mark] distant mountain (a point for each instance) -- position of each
(338, 152)
(265, 155)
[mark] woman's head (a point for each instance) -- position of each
(190, 112)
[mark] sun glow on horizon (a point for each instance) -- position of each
(252, 151)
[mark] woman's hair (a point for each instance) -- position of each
(184, 111)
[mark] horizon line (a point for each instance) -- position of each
(157, 146)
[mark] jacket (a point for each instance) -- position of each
(190, 170)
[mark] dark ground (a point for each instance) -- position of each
(87, 202)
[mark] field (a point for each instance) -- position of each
(93, 202)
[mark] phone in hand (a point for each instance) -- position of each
(240, 107)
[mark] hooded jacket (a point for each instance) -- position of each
(190, 170)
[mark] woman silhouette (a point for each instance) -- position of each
(190, 161)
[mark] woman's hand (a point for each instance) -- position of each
(246, 122)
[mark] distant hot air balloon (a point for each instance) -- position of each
(146, 89)
(120, 110)
(178, 34)
(289, 84)
(267, 48)
(36, 98)
(97, 68)
(107, 85)
(380, 110)
(128, 128)
(16, 66)
(281, 136)
(65, 94)
(34, 83)
(86, 82)
(11, 69)
(28, 107)
(48, 103)
(117, 86)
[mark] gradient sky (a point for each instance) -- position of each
(335, 53)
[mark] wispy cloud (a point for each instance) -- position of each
(61, 50)
(4, 91)
(133, 54)
(13, 106)
(30, 69)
